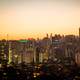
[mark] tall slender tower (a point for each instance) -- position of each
(79, 39)
(47, 35)
(79, 32)
(51, 37)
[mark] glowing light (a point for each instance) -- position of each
(23, 41)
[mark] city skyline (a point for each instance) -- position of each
(24, 19)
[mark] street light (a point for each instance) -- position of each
(16, 58)
(15, 55)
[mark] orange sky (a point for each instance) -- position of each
(23, 19)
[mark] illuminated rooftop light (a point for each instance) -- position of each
(23, 41)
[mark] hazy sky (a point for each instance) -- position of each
(23, 18)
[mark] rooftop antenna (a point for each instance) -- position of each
(7, 37)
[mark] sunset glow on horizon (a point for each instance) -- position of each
(36, 18)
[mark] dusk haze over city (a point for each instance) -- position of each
(35, 18)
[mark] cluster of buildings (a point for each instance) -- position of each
(57, 48)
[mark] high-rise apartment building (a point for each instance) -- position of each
(4, 51)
